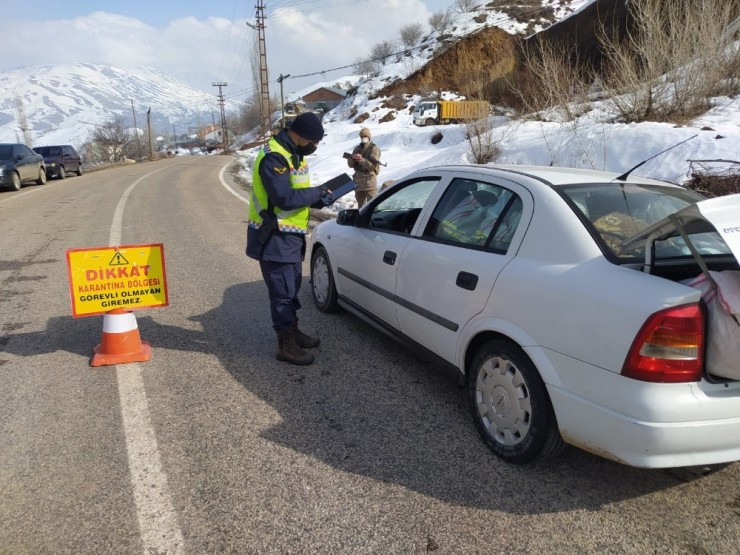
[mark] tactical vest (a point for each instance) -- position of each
(290, 221)
(367, 153)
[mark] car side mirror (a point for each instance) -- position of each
(347, 216)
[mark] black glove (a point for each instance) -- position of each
(325, 199)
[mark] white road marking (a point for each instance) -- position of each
(160, 532)
(228, 187)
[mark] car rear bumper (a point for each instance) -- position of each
(52, 171)
(646, 444)
(652, 425)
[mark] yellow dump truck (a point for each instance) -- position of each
(436, 112)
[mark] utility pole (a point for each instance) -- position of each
(174, 134)
(22, 121)
(136, 130)
(149, 130)
(221, 103)
(282, 102)
(264, 86)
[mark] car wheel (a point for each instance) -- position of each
(62, 174)
(429, 122)
(42, 177)
(79, 169)
(322, 282)
(510, 405)
(15, 182)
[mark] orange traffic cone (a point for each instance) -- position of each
(121, 342)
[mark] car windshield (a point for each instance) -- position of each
(6, 152)
(616, 212)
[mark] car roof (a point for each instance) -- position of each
(556, 175)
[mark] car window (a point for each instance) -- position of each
(24, 150)
(475, 213)
(616, 212)
(6, 152)
(399, 211)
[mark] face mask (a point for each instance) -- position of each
(305, 150)
(364, 140)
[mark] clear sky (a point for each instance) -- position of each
(202, 41)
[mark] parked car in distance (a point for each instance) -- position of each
(61, 160)
(18, 165)
(560, 295)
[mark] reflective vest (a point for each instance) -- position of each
(290, 221)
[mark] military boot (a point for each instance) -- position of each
(304, 340)
(289, 351)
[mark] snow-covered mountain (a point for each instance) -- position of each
(62, 104)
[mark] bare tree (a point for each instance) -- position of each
(383, 50)
(112, 141)
(440, 21)
(366, 67)
(480, 136)
(411, 34)
(553, 77)
(249, 115)
(465, 6)
(675, 56)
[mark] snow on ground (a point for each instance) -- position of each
(587, 142)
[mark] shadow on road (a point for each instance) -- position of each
(367, 406)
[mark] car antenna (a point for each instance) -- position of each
(624, 176)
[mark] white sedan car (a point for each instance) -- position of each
(560, 295)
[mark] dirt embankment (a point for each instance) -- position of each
(473, 66)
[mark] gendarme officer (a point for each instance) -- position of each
(278, 225)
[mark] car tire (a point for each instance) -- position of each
(510, 405)
(42, 177)
(61, 174)
(15, 182)
(79, 169)
(322, 282)
(429, 122)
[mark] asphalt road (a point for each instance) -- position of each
(215, 447)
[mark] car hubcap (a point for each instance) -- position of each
(503, 401)
(320, 279)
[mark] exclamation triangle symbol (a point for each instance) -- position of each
(118, 260)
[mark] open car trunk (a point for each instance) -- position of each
(710, 229)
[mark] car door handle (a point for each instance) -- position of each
(467, 281)
(389, 257)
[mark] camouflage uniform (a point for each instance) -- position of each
(366, 171)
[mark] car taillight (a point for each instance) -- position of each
(669, 347)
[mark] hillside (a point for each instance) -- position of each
(477, 51)
(62, 104)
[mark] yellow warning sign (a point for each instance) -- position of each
(129, 277)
